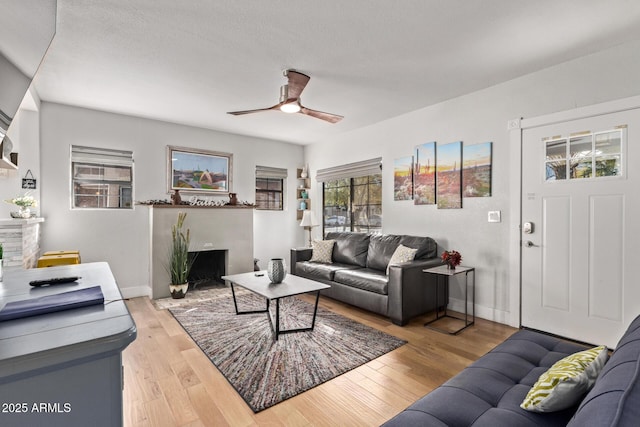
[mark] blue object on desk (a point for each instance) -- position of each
(52, 303)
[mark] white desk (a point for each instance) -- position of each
(64, 368)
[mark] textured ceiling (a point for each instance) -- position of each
(192, 61)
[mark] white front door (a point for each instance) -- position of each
(580, 233)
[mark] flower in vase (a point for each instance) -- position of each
(451, 258)
(26, 201)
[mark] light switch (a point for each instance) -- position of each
(494, 216)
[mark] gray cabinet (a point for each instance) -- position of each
(64, 368)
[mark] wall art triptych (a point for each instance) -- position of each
(443, 174)
(403, 178)
(476, 170)
(424, 174)
(448, 176)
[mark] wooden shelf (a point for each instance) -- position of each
(8, 163)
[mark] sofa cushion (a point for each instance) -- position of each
(364, 278)
(426, 246)
(322, 251)
(350, 248)
(315, 270)
(381, 248)
(401, 254)
(614, 400)
(489, 391)
(566, 382)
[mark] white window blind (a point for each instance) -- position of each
(269, 172)
(350, 170)
(105, 156)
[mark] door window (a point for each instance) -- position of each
(584, 155)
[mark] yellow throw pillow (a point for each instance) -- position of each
(322, 251)
(402, 254)
(566, 382)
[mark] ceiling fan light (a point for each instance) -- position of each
(291, 107)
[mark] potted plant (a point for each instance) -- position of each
(24, 203)
(179, 264)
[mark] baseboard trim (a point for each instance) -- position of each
(135, 292)
(482, 312)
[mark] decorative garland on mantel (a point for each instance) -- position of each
(195, 201)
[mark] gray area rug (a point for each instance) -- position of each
(266, 372)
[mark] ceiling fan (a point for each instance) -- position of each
(290, 99)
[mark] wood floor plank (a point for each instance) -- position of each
(159, 413)
(169, 381)
(208, 412)
(228, 402)
(178, 400)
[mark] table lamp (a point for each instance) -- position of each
(308, 222)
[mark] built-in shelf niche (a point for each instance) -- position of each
(303, 186)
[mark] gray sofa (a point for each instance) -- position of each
(489, 391)
(357, 274)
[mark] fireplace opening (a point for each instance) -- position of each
(208, 268)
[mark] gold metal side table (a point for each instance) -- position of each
(442, 272)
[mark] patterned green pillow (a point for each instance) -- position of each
(402, 254)
(322, 251)
(566, 382)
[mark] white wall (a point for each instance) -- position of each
(121, 237)
(25, 135)
(475, 118)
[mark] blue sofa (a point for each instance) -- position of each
(489, 391)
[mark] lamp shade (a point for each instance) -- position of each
(309, 219)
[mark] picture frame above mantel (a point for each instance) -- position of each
(197, 171)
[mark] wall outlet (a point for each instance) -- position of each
(494, 216)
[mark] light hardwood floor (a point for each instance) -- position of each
(170, 382)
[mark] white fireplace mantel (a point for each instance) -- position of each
(211, 228)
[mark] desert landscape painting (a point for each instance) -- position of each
(449, 176)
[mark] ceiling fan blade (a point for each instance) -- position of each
(239, 113)
(332, 118)
(297, 83)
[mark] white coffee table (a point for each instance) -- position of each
(258, 283)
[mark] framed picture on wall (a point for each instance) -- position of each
(198, 171)
(403, 178)
(476, 170)
(424, 174)
(449, 175)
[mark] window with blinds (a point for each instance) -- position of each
(101, 178)
(270, 185)
(352, 196)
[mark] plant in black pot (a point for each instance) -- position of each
(180, 263)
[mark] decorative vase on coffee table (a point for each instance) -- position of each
(276, 270)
